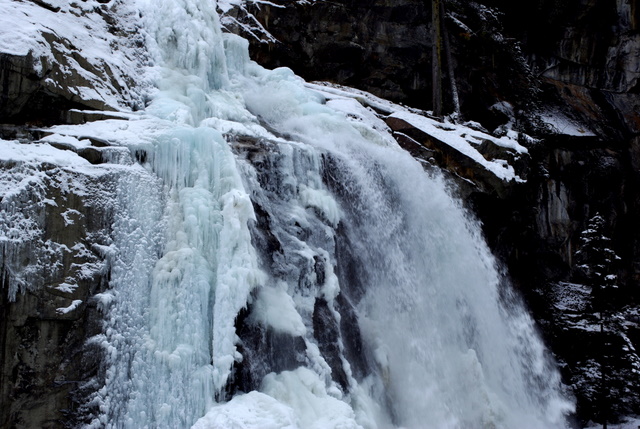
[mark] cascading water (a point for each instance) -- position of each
(278, 265)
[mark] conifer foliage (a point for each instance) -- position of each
(612, 364)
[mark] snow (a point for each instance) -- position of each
(70, 308)
(81, 28)
(463, 140)
(226, 5)
(66, 287)
(137, 132)
(367, 99)
(39, 153)
(275, 308)
(364, 118)
(315, 408)
(361, 107)
(627, 423)
(68, 216)
(104, 300)
(562, 124)
(249, 411)
(66, 140)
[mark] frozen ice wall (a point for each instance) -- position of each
(185, 264)
(279, 264)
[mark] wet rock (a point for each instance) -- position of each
(263, 351)
(327, 332)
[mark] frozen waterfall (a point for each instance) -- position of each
(280, 264)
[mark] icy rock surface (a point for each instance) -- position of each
(56, 211)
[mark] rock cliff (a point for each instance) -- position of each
(55, 227)
(56, 209)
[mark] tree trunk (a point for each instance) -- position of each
(436, 66)
(452, 77)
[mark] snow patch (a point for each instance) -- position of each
(73, 306)
(307, 395)
(249, 411)
(66, 287)
(464, 139)
(564, 125)
(26, 28)
(67, 216)
(40, 153)
(275, 308)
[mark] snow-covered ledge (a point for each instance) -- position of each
(488, 163)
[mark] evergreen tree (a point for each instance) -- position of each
(599, 264)
(598, 267)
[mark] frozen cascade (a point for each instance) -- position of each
(278, 265)
(170, 333)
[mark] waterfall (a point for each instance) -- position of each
(276, 264)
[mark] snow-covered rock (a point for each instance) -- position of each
(57, 56)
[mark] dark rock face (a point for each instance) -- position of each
(385, 48)
(26, 96)
(381, 46)
(588, 51)
(51, 266)
(587, 56)
(538, 232)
